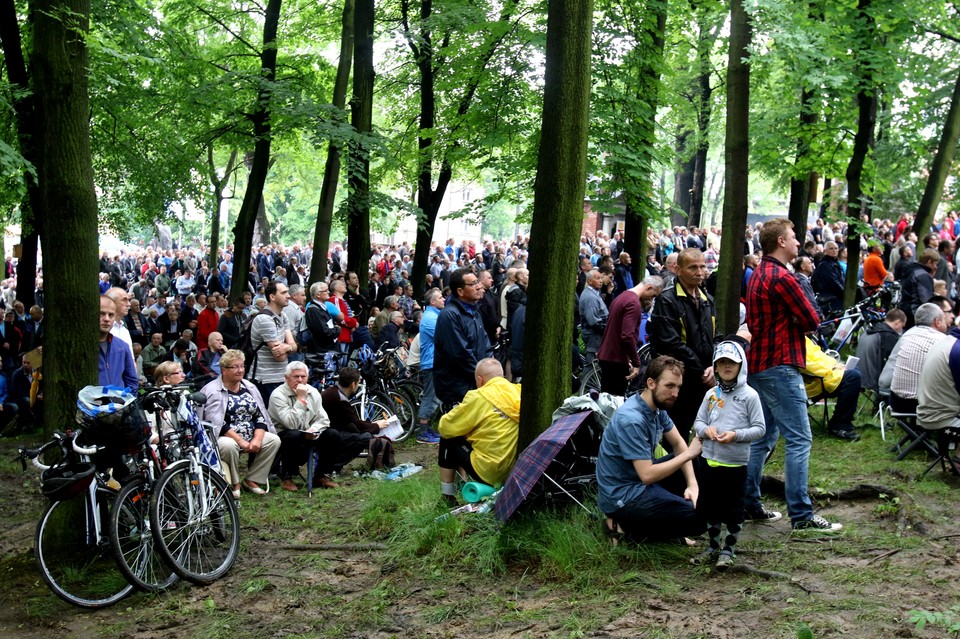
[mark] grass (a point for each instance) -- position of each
(547, 572)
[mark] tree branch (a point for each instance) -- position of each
(226, 28)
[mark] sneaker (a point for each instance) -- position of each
(763, 516)
(846, 434)
(428, 437)
(704, 558)
(816, 523)
(724, 560)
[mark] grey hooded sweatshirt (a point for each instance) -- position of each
(736, 407)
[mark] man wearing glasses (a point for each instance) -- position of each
(460, 341)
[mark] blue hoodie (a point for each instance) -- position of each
(733, 407)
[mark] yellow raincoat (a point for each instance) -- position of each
(489, 418)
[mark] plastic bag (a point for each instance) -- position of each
(99, 401)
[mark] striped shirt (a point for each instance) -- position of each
(914, 346)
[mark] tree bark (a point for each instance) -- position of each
(709, 26)
(60, 84)
(361, 115)
(683, 179)
(246, 218)
(331, 170)
(557, 211)
(736, 171)
(22, 101)
(942, 162)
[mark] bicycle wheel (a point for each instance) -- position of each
(376, 407)
(75, 562)
(132, 542)
(406, 411)
(591, 379)
(195, 523)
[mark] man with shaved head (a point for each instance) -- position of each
(479, 436)
(828, 279)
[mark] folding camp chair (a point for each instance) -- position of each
(946, 438)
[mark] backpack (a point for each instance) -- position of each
(329, 336)
(246, 341)
(381, 455)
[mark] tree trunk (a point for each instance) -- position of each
(261, 227)
(862, 142)
(23, 105)
(709, 26)
(683, 179)
(246, 218)
(825, 201)
(639, 194)
(942, 162)
(361, 115)
(799, 206)
(331, 170)
(736, 171)
(218, 183)
(59, 64)
(557, 211)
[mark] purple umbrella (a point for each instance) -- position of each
(533, 462)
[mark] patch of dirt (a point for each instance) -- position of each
(849, 586)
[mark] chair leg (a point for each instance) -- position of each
(311, 468)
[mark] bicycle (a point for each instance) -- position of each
(72, 549)
(194, 518)
(833, 334)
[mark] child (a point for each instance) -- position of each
(730, 417)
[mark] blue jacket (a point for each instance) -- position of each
(460, 343)
(428, 328)
(116, 367)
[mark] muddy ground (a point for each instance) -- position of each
(861, 584)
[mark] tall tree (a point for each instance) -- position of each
(60, 86)
(23, 106)
(557, 210)
(940, 168)
(736, 161)
(361, 116)
(857, 203)
(331, 170)
(253, 196)
(218, 184)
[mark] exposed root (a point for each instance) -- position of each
(768, 574)
(351, 547)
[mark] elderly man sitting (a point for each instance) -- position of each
(938, 394)
(302, 425)
(479, 436)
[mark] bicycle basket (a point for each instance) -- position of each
(59, 483)
(111, 417)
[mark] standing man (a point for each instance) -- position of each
(208, 320)
(460, 341)
(683, 325)
(828, 279)
(360, 307)
(270, 335)
(778, 315)
(619, 361)
(428, 400)
(593, 314)
(294, 314)
(121, 299)
(488, 306)
(115, 363)
(623, 277)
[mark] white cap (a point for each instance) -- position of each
(727, 350)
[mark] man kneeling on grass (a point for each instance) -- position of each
(646, 498)
(479, 436)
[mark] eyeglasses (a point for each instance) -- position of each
(234, 368)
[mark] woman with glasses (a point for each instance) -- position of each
(235, 407)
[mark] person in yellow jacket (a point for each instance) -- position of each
(479, 436)
(824, 376)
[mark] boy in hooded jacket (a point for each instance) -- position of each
(730, 417)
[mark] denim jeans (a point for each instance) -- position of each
(784, 403)
(428, 400)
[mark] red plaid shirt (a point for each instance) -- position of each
(778, 315)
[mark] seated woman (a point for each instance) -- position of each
(166, 374)
(235, 407)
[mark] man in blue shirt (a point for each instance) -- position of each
(115, 367)
(645, 498)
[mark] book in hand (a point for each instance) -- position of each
(393, 429)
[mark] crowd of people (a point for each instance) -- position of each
(717, 404)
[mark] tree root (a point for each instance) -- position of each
(350, 547)
(768, 574)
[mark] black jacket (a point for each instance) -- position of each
(917, 288)
(828, 283)
(323, 331)
(683, 330)
(459, 342)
